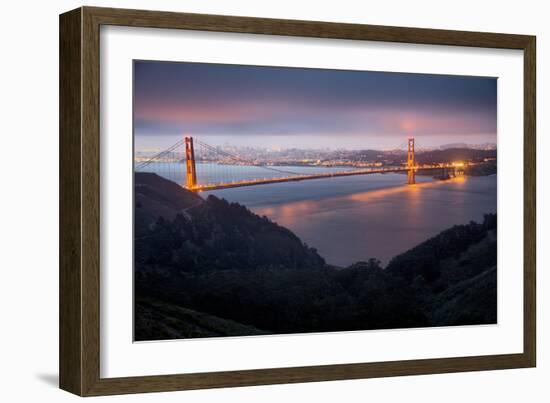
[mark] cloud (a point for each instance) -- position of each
(177, 98)
(244, 120)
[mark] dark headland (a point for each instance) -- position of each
(208, 268)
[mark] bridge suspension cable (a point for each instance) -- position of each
(240, 159)
(210, 165)
(158, 156)
(201, 166)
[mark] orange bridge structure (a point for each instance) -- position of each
(213, 168)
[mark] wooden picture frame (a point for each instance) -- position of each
(80, 185)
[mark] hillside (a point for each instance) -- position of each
(453, 274)
(178, 230)
(156, 320)
(208, 268)
(156, 197)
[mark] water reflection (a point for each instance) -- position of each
(375, 216)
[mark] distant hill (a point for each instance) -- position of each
(451, 153)
(206, 268)
(484, 146)
(454, 154)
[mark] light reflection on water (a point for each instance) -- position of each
(354, 218)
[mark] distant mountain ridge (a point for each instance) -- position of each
(454, 154)
(484, 146)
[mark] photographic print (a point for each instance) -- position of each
(279, 200)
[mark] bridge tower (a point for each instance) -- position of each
(190, 163)
(411, 174)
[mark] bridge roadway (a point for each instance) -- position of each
(254, 182)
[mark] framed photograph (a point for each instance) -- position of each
(249, 201)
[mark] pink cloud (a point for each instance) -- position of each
(423, 122)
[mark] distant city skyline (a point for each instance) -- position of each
(155, 147)
(308, 108)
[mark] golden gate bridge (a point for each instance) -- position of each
(199, 166)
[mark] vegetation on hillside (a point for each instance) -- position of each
(209, 268)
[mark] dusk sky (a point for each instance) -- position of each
(308, 108)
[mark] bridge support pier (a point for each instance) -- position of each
(191, 175)
(411, 177)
